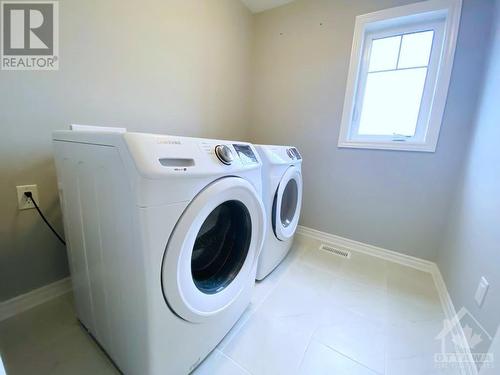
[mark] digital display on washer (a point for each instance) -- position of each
(246, 154)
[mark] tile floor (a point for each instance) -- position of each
(316, 314)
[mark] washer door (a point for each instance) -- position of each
(287, 203)
(212, 252)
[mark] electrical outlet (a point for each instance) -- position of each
(23, 203)
(481, 291)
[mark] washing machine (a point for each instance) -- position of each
(163, 235)
(282, 196)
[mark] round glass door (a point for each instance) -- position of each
(221, 247)
(287, 203)
(211, 254)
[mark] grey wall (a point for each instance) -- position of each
(396, 200)
(472, 245)
(167, 66)
(184, 67)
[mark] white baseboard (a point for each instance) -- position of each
(406, 260)
(360, 247)
(468, 368)
(36, 297)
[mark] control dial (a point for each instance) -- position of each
(224, 154)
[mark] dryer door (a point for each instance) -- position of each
(287, 203)
(212, 252)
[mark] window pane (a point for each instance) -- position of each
(415, 49)
(392, 102)
(384, 54)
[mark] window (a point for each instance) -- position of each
(400, 69)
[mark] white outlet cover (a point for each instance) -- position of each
(481, 291)
(24, 203)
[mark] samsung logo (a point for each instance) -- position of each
(169, 142)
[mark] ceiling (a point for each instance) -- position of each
(257, 6)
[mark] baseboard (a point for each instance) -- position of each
(360, 247)
(467, 368)
(409, 261)
(36, 297)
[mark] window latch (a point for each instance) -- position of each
(400, 137)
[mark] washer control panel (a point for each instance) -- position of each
(246, 154)
(234, 154)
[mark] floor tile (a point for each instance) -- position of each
(412, 295)
(317, 313)
(418, 365)
(76, 353)
(49, 321)
(354, 336)
(49, 340)
(218, 363)
(271, 345)
(408, 339)
(409, 281)
(368, 301)
(322, 360)
(365, 269)
(303, 290)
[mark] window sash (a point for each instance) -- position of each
(429, 87)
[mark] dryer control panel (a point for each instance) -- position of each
(280, 155)
(293, 153)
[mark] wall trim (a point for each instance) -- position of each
(34, 298)
(451, 313)
(360, 247)
(405, 260)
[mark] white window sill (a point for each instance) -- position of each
(397, 146)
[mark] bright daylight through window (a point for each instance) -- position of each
(395, 84)
(399, 75)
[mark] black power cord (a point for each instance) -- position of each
(29, 196)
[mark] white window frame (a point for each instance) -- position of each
(441, 16)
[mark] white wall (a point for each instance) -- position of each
(167, 66)
(396, 200)
(472, 245)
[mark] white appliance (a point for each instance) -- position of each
(163, 234)
(282, 196)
